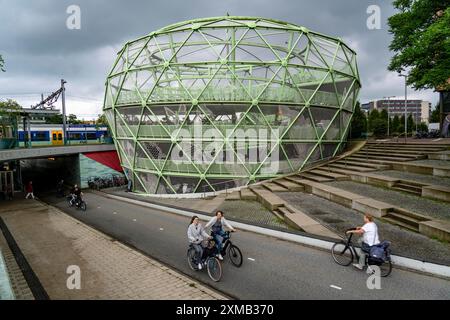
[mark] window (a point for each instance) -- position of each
(75, 136)
(91, 136)
(54, 136)
(59, 136)
(39, 136)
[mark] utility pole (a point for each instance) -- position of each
(406, 104)
(63, 99)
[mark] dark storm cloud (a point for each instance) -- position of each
(39, 49)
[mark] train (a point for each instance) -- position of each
(52, 134)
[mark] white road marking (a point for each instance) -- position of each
(251, 259)
(114, 212)
(98, 207)
(161, 229)
(335, 287)
(134, 220)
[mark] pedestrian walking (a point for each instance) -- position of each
(29, 190)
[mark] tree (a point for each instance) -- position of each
(379, 127)
(358, 125)
(411, 124)
(72, 119)
(101, 120)
(55, 119)
(434, 117)
(395, 124)
(9, 111)
(2, 64)
(421, 42)
(373, 115)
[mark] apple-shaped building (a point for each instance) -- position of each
(216, 103)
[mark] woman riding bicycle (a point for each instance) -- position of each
(370, 238)
(216, 223)
(196, 235)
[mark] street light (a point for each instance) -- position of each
(406, 103)
(389, 104)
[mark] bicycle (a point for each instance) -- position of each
(228, 248)
(344, 252)
(78, 204)
(213, 265)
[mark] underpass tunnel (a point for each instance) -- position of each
(46, 172)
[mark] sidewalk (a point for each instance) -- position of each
(52, 241)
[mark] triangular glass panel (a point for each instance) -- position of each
(149, 180)
(131, 116)
(315, 156)
(326, 94)
(137, 187)
(181, 184)
(328, 150)
(164, 187)
(297, 153)
(121, 127)
(302, 127)
(149, 155)
(153, 125)
(126, 152)
(334, 129)
(322, 118)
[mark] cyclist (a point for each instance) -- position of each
(216, 224)
(370, 238)
(196, 234)
(76, 195)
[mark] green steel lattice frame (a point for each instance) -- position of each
(260, 71)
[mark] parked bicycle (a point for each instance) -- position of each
(344, 253)
(212, 264)
(233, 252)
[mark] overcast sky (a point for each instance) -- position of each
(39, 49)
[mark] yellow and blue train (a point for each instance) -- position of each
(52, 134)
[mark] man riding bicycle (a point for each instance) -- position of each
(216, 223)
(76, 195)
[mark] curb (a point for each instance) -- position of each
(398, 261)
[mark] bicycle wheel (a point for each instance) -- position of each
(235, 255)
(386, 268)
(191, 258)
(83, 206)
(214, 269)
(342, 254)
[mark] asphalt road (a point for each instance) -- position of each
(272, 268)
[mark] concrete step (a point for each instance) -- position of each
(290, 185)
(393, 153)
(273, 187)
(351, 168)
(436, 192)
(414, 223)
(283, 211)
(314, 177)
(407, 190)
(396, 150)
(386, 156)
(233, 196)
(400, 224)
(406, 146)
(268, 199)
(366, 160)
(362, 164)
(322, 171)
(441, 155)
(247, 194)
(278, 214)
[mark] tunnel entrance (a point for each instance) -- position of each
(45, 173)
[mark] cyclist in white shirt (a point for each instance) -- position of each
(370, 238)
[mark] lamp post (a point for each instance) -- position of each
(406, 103)
(389, 104)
